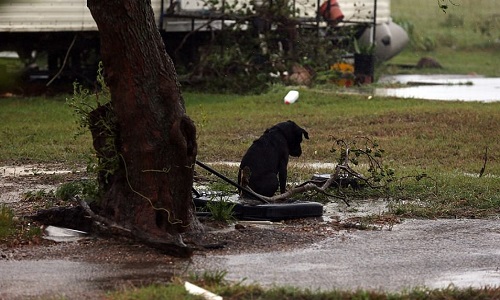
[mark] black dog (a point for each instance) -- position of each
(267, 158)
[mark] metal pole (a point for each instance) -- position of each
(374, 36)
(374, 21)
(259, 197)
(162, 14)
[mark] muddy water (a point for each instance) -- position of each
(430, 253)
(443, 87)
(416, 253)
(74, 280)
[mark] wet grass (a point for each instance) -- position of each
(480, 61)
(445, 140)
(40, 130)
(6, 221)
(468, 24)
(154, 292)
(448, 141)
(256, 292)
(464, 40)
(15, 231)
(430, 134)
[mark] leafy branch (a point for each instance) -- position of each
(362, 152)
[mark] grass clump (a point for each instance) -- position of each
(221, 209)
(14, 231)
(154, 292)
(6, 221)
(237, 291)
(87, 189)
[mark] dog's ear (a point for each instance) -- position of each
(306, 135)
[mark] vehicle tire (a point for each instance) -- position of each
(272, 211)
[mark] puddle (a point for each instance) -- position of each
(358, 208)
(472, 278)
(29, 170)
(416, 253)
(16, 180)
(432, 253)
(291, 164)
(443, 87)
(67, 278)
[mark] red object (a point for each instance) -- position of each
(330, 10)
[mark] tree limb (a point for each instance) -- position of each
(174, 246)
(307, 186)
(101, 219)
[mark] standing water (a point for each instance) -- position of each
(443, 87)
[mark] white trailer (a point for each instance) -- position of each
(53, 26)
(74, 16)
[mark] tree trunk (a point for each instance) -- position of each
(150, 192)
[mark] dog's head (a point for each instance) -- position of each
(293, 134)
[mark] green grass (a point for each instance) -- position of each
(469, 24)
(465, 39)
(154, 292)
(6, 221)
(469, 61)
(14, 231)
(429, 134)
(256, 292)
(445, 140)
(221, 209)
(10, 70)
(40, 130)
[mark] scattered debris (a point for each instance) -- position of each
(198, 291)
(291, 97)
(61, 234)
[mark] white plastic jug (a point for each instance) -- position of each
(291, 97)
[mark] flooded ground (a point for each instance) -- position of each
(416, 253)
(74, 279)
(430, 253)
(443, 87)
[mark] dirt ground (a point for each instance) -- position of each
(17, 182)
(392, 256)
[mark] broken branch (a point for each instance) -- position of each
(172, 246)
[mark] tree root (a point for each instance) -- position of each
(174, 246)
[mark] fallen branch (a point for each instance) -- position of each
(343, 172)
(174, 246)
(310, 186)
(100, 219)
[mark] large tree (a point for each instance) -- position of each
(150, 191)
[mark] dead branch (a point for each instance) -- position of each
(171, 246)
(309, 186)
(342, 172)
(101, 219)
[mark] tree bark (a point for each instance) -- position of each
(150, 192)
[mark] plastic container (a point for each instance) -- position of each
(291, 97)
